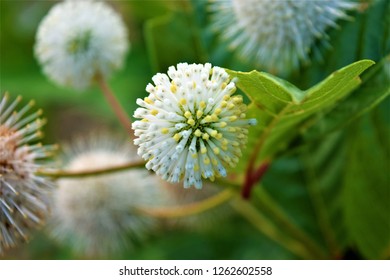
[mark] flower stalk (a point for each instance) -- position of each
(116, 106)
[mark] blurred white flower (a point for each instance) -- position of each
(23, 195)
(192, 126)
(96, 214)
(278, 35)
(79, 40)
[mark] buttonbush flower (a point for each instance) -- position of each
(95, 215)
(279, 35)
(191, 125)
(23, 195)
(78, 40)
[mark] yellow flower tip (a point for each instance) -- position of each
(206, 160)
(177, 137)
(164, 130)
(214, 117)
(205, 136)
(188, 114)
(237, 100)
(202, 104)
(154, 112)
(226, 158)
(203, 150)
(198, 133)
(191, 122)
(173, 88)
(148, 100)
(222, 124)
(216, 150)
(199, 114)
(235, 144)
(218, 111)
(208, 118)
(231, 106)
(223, 85)
(214, 133)
(183, 101)
(224, 104)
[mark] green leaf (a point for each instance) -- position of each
(171, 39)
(374, 90)
(280, 108)
(367, 186)
(306, 187)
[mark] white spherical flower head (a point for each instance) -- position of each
(192, 126)
(95, 215)
(23, 195)
(79, 40)
(279, 35)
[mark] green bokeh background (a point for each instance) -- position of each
(163, 33)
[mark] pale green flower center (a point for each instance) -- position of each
(80, 43)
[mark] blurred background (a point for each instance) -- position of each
(348, 168)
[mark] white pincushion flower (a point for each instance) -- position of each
(79, 40)
(192, 126)
(96, 214)
(23, 195)
(279, 35)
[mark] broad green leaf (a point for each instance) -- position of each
(306, 186)
(367, 186)
(280, 108)
(375, 88)
(171, 39)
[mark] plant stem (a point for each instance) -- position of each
(115, 105)
(260, 222)
(189, 209)
(254, 178)
(268, 205)
(77, 174)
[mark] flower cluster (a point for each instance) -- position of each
(96, 215)
(79, 40)
(23, 195)
(278, 34)
(191, 125)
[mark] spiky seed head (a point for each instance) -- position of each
(24, 202)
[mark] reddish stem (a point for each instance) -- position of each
(252, 178)
(115, 105)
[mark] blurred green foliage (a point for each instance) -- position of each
(332, 179)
